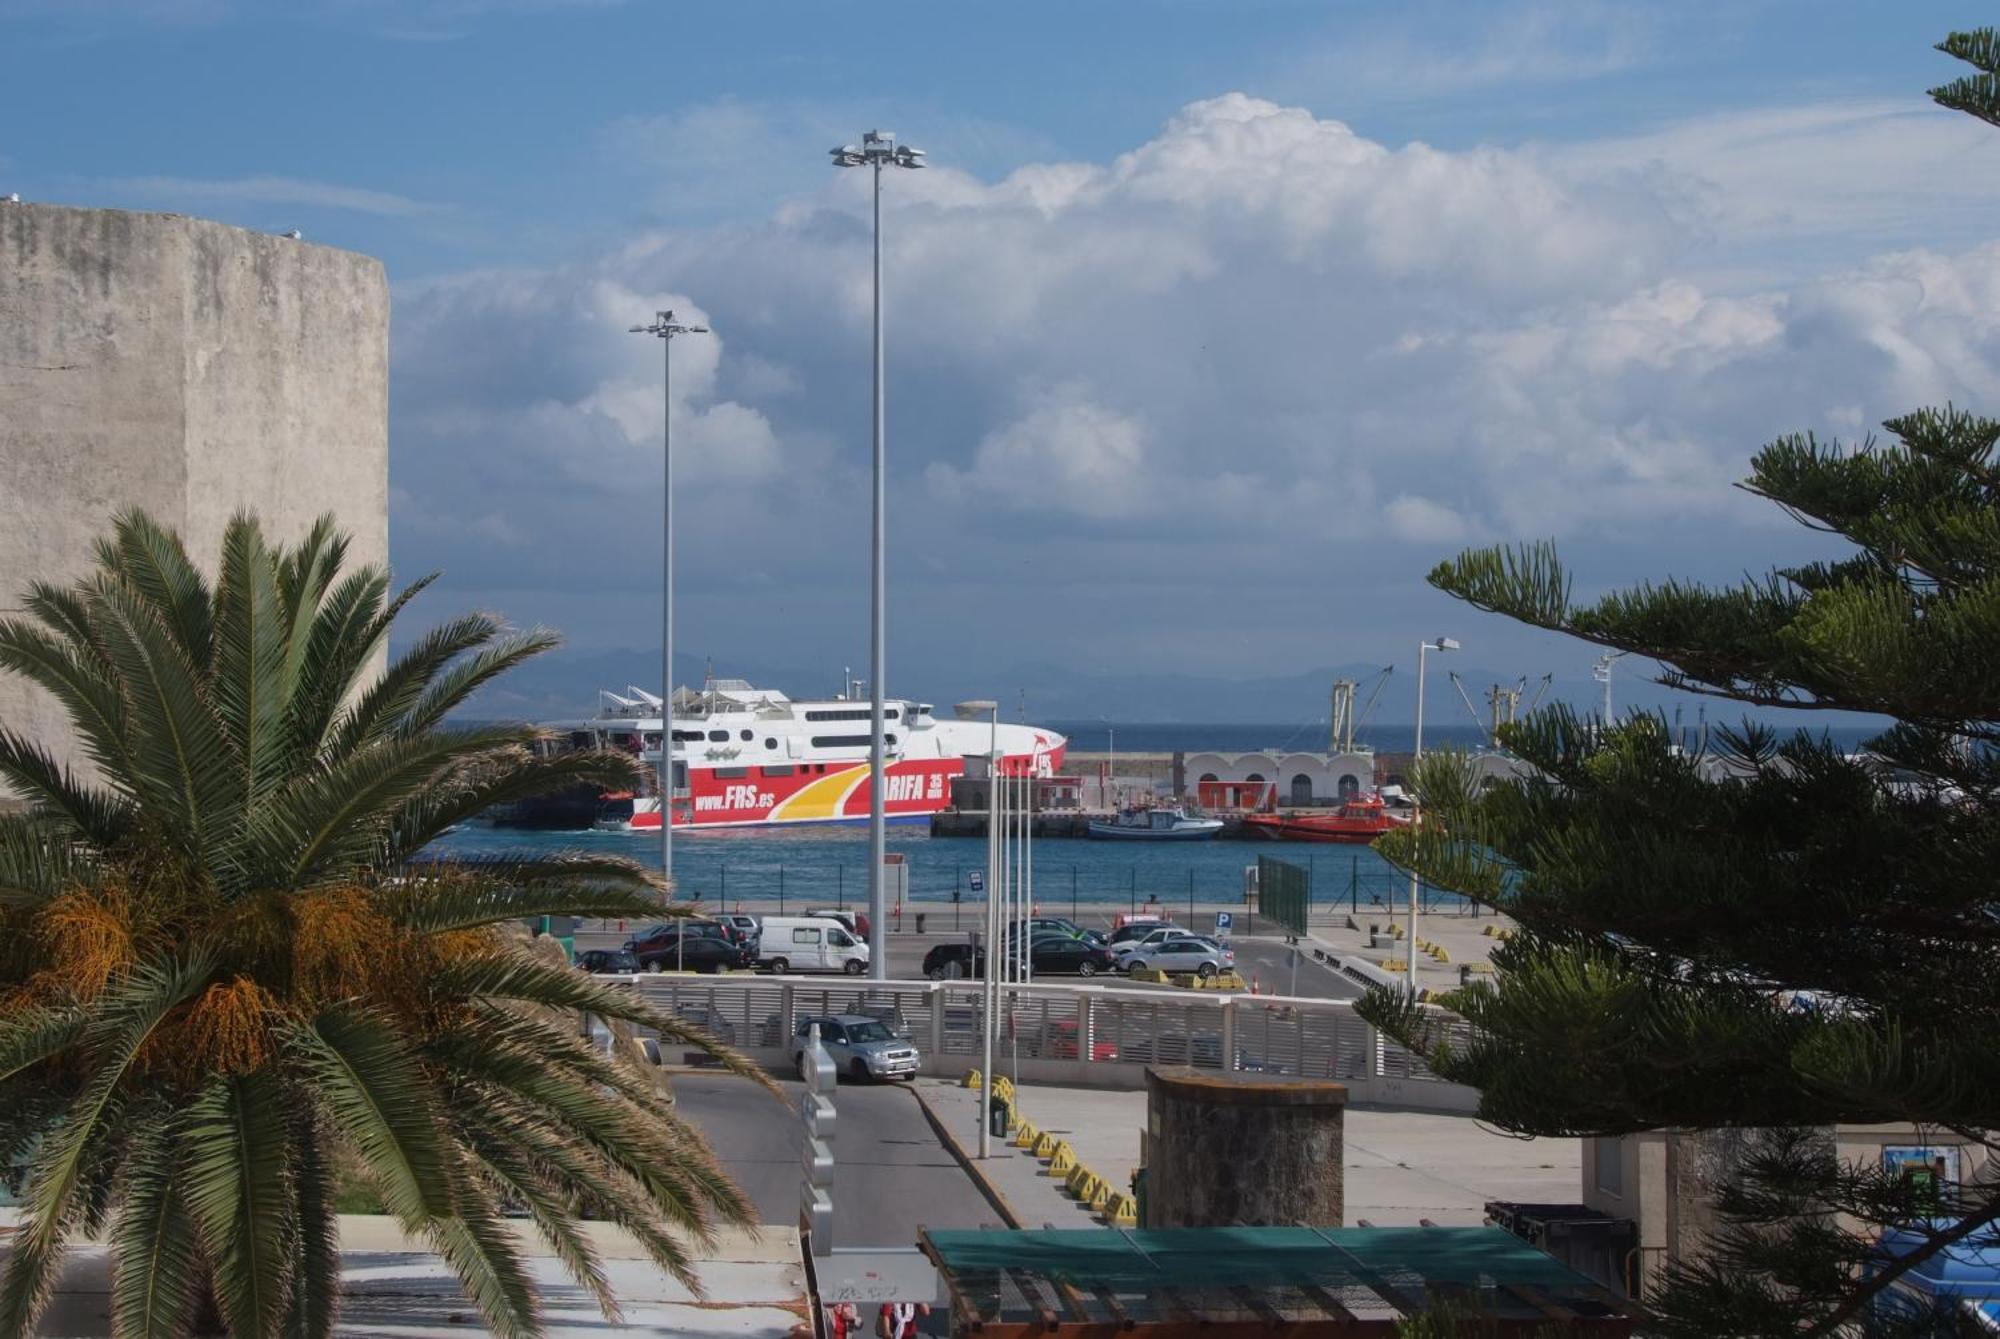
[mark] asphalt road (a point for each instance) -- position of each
(890, 1173)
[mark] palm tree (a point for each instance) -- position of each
(226, 964)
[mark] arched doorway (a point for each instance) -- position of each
(1350, 785)
(1302, 789)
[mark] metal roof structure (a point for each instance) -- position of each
(1306, 1282)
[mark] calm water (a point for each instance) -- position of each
(830, 864)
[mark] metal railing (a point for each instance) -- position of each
(1085, 1035)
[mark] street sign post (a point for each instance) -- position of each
(978, 880)
(1223, 921)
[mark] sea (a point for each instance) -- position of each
(819, 865)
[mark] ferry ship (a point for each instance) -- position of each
(748, 757)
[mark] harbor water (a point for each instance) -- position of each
(817, 865)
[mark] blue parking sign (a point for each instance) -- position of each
(978, 881)
(1223, 920)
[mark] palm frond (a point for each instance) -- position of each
(251, 694)
(120, 1023)
(315, 1294)
(149, 558)
(334, 820)
(371, 1090)
(512, 975)
(97, 816)
(87, 690)
(555, 1213)
(156, 1265)
(428, 813)
(476, 1245)
(175, 737)
(463, 894)
(237, 1164)
(32, 1035)
(381, 709)
(335, 656)
(461, 680)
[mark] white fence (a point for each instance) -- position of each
(1085, 1035)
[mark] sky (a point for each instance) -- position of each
(1212, 326)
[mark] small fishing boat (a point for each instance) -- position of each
(1361, 819)
(1156, 825)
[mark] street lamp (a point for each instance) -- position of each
(664, 327)
(972, 711)
(1111, 754)
(878, 150)
(1602, 673)
(1417, 806)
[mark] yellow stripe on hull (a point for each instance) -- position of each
(824, 798)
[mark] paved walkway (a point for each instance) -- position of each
(393, 1286)
(1401, 1166)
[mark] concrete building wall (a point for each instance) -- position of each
(187, 367)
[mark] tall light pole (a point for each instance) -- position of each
(972, 711)
(878, 150)
(1111, 754)
(1602, 673)
(664, 327)
(1417, 804)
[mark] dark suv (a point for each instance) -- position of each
(695, 948)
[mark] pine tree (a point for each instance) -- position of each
(1777, 937)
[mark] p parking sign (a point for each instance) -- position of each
(1223, 921)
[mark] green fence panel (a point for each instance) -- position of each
(1282, 894)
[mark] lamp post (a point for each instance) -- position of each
(1602, 673)
(664, 328)
(972, 711)
(1417, 805)
(878, 150)
(1111, 755)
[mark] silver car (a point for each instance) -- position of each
(1186, 953)
(861, 1046)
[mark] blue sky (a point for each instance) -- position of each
(1215, 325)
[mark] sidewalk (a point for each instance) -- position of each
(1401, 1166)
(393, 1286)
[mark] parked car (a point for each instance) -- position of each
(607, 960)
(862, 1047)
(886, 1012)
(748, 928)
(811, 944)
(970, 961)
(1058, 1042)
(1138, 929)
(1062, 954)
(673, 948)
(855, 921)
(1203, 957)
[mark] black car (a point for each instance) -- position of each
(939, 961)
(607, 960)
(1062, 953)
(668, 948)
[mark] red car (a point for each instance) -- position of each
(1059, 1042)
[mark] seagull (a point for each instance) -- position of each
(13, 197)
(292, 233)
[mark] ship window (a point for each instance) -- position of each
(851, 714)
(731, 773)
(778, 771)
(841, 741)
(746, 736)
(687, 736)
(718, 736)
(770, 743)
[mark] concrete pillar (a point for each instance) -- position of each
(1224, 1149)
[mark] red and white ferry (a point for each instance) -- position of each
(746, 756)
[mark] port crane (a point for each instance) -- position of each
(1503, 703)
(1345, 719)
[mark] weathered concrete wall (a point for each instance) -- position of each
(1253, 1149)
(189, 368)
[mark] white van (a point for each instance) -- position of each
(810, 944)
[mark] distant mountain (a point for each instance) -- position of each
(565, 683)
